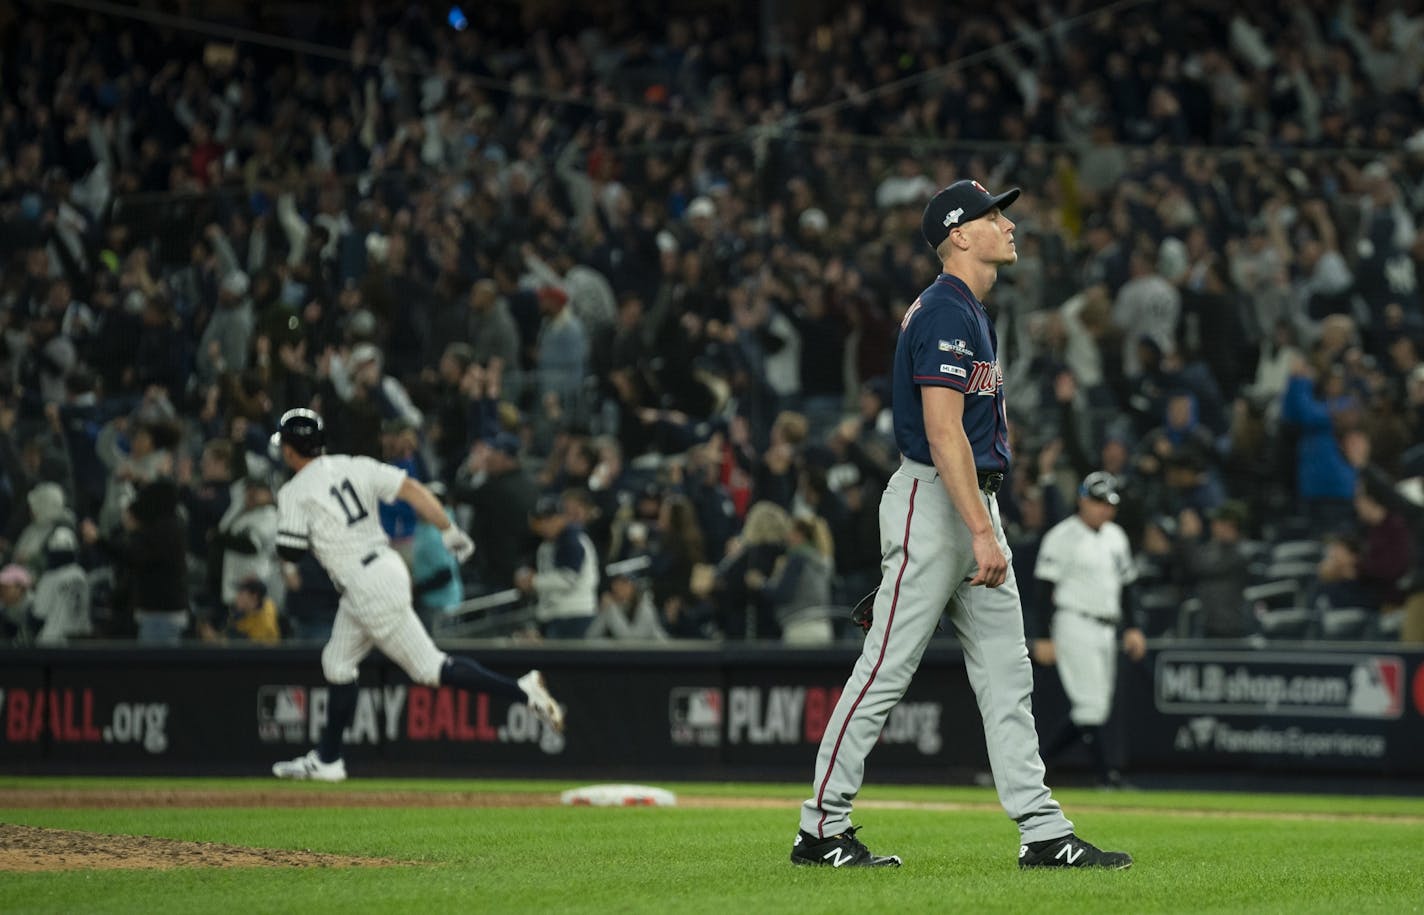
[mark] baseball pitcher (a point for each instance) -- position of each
(942, 543)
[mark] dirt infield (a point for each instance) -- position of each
(99, 799)
(33, 849)
(29, 849)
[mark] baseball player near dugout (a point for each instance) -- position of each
(943, 551)
(1085, 566)
(329, 507)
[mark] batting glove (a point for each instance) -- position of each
(458, 543)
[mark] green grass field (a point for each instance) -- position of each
(1195, 852)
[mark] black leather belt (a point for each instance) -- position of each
(1100, 620)
(369, 558)
(990, 481)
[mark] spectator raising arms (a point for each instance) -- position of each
(520, 256)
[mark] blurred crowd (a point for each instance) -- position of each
(628, 298)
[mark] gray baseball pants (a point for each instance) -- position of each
(926, 561)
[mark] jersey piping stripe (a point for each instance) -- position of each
(942, 382)
(889, 622)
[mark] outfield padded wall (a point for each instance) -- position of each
(743, 712)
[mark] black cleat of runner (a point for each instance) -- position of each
(841, 850)
(1071, 851)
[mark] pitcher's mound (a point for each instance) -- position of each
(34, 848)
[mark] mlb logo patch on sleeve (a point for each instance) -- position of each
(948, 369)
(958, 347)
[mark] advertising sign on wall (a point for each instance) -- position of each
(687, 713)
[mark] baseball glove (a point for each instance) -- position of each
(863, 615)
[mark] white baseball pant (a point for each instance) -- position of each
(376, 611)
(1086, 656)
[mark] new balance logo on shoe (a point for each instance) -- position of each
(1071, 851)
(840, 850)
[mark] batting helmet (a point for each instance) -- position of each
(1101, 486)
(303, 432)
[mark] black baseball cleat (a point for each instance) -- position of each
(1071, 851)
(840, 850)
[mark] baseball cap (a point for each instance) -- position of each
(1233, 510)
(701, 208)
(957, 204)
(235, 284)
(507, 442)
(814, 219)
(1101, 486)
(1377, 171)
(553, 293)
(62, 540)
(364, 352)
(362, 324)
(546, 507)
(15, 574)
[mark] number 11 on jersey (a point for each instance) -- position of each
(360, 510)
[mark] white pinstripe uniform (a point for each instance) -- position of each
(1088, 569)
(329, 507)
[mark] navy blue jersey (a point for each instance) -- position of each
(946, 339)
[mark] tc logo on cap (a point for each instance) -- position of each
(960, 203)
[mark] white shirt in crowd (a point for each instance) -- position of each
(1147, 306)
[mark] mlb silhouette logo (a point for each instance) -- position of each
(979, 187)
(281, 713)
(1377, 687)
(695, 716)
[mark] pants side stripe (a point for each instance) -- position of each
(889, 622)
